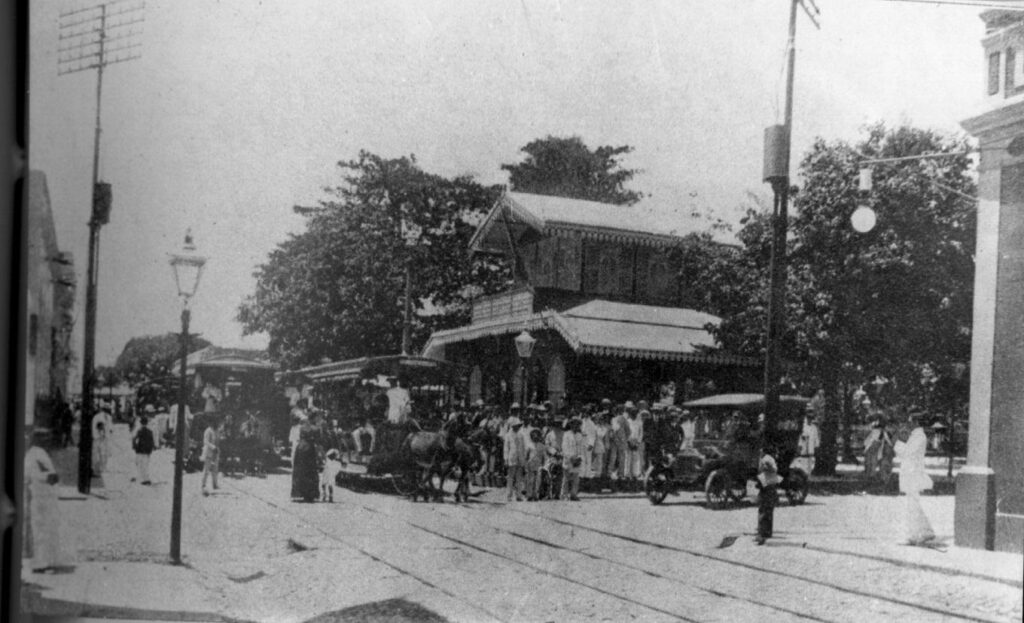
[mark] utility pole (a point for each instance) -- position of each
(776, 172)
(92, 38)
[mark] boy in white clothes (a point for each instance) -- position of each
(332, 467)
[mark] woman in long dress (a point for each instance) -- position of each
(305, 476)
(913, 480)
(43, 514)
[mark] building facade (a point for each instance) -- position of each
(990, 488)
(49, 313)
(597, 288)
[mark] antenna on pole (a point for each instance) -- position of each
(92, 38)
(812, 11)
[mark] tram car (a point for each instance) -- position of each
(371, 405)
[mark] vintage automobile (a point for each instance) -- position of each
(725, 453)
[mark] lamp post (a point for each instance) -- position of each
(188, 268)
(524, 346)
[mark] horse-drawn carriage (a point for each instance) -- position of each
(725, 453)
(412, 448)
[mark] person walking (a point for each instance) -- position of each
(211, 453)
(143, 444)
(572, 460)
(515, 459)
(43, 515)
(101, 431)
(305, 475)
(768, 480)
(329, 475)
(914, 479)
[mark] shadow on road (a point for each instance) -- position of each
(391, 610)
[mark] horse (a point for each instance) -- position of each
(440, 453)
(465, 455)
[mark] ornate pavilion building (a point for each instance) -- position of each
(596, 287)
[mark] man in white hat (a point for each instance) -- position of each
(515, 459)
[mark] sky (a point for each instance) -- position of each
(239, 109)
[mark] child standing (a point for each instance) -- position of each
(332, 467)
(535, 451)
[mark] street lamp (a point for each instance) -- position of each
(863, 218)
(524, 346)
(188, 268)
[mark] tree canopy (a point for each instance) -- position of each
(892, 304)
(566, 167)
(336, 290)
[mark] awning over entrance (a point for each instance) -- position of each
(609, 328)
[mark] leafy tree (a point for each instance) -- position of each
(566, 167)
(895, 302)
(150, 357)
(336, 290)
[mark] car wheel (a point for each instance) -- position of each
(656, 486)
(716, 489)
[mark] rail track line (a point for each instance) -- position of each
(686, 616)
(753, 567)
(467, 544)
(376, 558)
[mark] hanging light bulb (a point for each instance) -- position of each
(863, 219)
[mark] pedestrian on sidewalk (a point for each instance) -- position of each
(211, 452)
(768, 481)
(143, 444)
(305, 475)
(515, 459)
(43, 515)
(913, 480)
(100, 444)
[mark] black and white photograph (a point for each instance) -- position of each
(515, 311)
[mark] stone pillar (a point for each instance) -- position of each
(990, 488)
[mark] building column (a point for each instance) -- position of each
(990, 488)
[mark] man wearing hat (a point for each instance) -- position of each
(515, 459)
(635, 443)
(572, 460)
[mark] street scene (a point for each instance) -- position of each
(371, 555)
(521, 312)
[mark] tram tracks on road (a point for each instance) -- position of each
(466, 543)
(821, 584)
(376, 557)
(487, 546)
